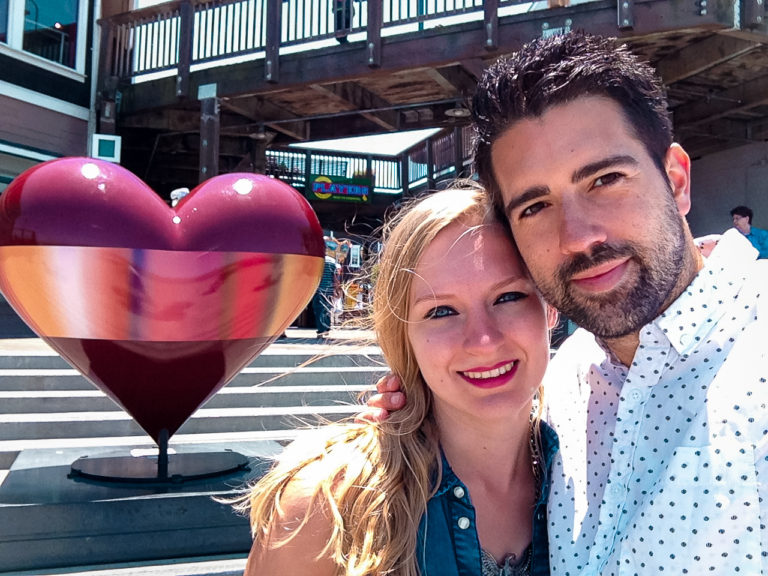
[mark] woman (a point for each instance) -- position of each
(456, 482)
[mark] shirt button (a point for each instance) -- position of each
(685, 339)
(616, 489)
(458, 492)
(635, 395)
(463, 522)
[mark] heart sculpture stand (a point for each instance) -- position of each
(159, 307)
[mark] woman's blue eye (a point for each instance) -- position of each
(440, 312)
(510, 297)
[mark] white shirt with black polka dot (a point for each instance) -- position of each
(670, 477)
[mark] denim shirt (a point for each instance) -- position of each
(448, 544)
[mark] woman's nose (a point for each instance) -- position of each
(482, 332)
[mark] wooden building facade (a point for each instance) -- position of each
(46, 81)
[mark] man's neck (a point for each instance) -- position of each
(624, 347)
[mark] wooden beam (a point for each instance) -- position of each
(186, 38)
(373, 42)
(455, 79)
(355, 97)
(167, 120)
(701, 56)
(209, 138)
(274, 32)
(263, 111)
(741, 98)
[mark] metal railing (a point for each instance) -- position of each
(442, 157)
(187, 33)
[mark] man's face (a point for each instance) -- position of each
(741, 223)
(599, 226)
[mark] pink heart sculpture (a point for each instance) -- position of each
(159, 307)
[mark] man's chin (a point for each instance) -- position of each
(607, 319)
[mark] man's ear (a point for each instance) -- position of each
(552, 316)
(678, 168)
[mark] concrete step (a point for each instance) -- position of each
(277, 356)
(204, 421)
(40, 379)
(93, 400)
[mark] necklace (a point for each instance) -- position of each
(510, 567)
(535, 451)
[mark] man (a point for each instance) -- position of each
(742, 221)
(660, 398)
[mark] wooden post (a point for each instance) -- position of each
(107, 81)
(209, 132)
(458, 151)
(186, 35)
(373, 41)
(106, 54)
(430, 166)
(307, 173)
(491, 21)
(404, 177)
(274, 31)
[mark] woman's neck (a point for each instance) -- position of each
(471, 446)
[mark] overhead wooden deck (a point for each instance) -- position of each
(271, 89)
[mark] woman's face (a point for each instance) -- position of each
(477, 326)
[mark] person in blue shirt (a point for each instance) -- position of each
(457, 482)
(742, 221)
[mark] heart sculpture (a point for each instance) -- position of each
(159, 307)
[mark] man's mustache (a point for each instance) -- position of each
(599, 254)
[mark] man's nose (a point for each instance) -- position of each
(580, 227)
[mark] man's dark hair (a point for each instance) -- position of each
(743, 211)
(556, 70)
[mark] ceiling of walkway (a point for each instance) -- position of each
(716, 75)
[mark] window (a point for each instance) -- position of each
(54, 30)
(4, 21)
(50, 30)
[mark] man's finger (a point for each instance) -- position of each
(373, 415)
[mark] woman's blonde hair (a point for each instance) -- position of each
(380, 476)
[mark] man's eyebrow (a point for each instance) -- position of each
(581, 174)
(593, 168)
(530, 194)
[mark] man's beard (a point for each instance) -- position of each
(638, 300)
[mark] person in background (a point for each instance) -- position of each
(742, 221)
(322, 301)
(455, 484)
(343, 11)
(659, 398)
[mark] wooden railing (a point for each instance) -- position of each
(183, 34)
(425, 165)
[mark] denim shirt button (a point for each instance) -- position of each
(458, 492)
(464, 522)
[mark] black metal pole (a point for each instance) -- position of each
(162, 455)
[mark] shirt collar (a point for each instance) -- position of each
(689, 319)
(550, 444)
